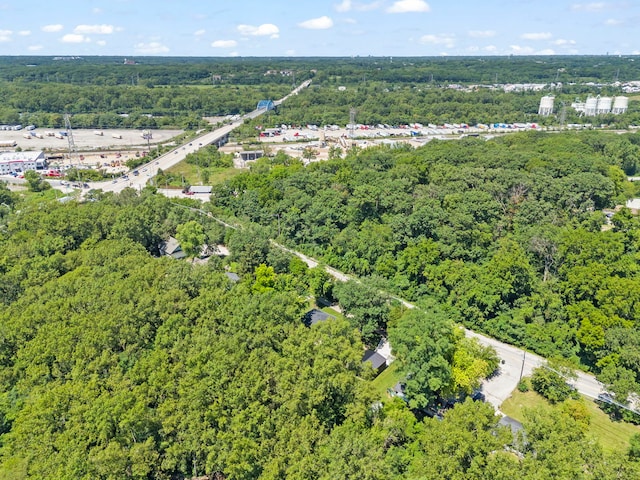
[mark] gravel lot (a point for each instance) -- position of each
(86, 140)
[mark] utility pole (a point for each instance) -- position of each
(524, 357)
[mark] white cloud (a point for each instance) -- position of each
(102, 43)
(519, 50)
(5, 35)
(473, 48)
(536, 36)
(446, 39)
(96, 11)
(224, 44)
(612, 22)
(482, 33)
(266, 29)
(24, 33)
(74, 38)
(366, 7)
(94, 29)
(561, 42)
(34, 48)
(546, 51)
(150, 48)
(490, 48)
(321, 23)
(588, 7)
(52, 28)
(290, 53)
(200, 32)
(348, 5)
(407, 6)
(345, 6)
(234, 54)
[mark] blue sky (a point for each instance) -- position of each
(318, 28)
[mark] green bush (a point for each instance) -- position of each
(523, 385)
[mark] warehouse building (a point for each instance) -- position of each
(18, 162)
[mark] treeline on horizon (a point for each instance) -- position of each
(178, 92)
(251, 70)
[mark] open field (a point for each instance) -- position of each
(87, 140)
(387, 379)
(612, 436)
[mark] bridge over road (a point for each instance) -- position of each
(175, 156)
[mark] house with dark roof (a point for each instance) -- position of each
(316, 316)
(378, 362)
(171, 248)
(233, 277)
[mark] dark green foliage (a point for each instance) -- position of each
(505, 234)
(424, 344)
(551, 385)
(366, 308)
(115, 364)
(523, 385)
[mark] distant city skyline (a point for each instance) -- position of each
(132, 28)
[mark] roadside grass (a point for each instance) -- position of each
(191, 174)
(612, 435)
(28, 198)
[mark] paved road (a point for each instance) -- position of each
(168, 160)
(516, 362)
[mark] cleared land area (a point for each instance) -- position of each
(612, 436)
(86, 140)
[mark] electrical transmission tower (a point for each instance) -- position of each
(352, 126)
(563, 115)
(72, 144)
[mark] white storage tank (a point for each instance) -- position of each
(604, 105)
(591, 106)
(546, 105)
(620, 105)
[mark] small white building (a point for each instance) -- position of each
(18, 162)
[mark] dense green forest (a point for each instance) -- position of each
(505, 233)
(116, 364)
(347, 70)
(163, 92)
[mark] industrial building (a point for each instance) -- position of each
(601, 106)
(18, 162)
(546, 106)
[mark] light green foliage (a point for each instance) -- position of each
(265, 279)
(191, 237)
(424, 344)
(472, 362)
(35, 181)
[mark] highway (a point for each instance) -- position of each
(515, 361)
(175, 156)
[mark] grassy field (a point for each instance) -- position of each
(385, 380)
(612, 435)
(192, 176)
